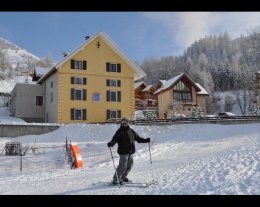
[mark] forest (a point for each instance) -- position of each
(219, 64)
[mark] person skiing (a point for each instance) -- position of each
(125, 137)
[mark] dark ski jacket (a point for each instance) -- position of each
(125, 137)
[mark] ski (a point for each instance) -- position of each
(130, 184)
(141, 185)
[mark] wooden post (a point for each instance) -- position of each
(21, 162)
(94, 153)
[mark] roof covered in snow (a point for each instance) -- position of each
(138, 84)
(172, 81)
(40, 71)
(203, 90)
(138, 72)
(163, 82)
(147, 88)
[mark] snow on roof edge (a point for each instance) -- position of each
(203, 90)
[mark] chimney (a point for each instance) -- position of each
(87, 37)
(64, 53)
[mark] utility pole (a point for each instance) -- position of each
(161, 103)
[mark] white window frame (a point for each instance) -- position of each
(116, 98)
(112, 67)
(78, 64)
(113, 83)
(80, 79)
(81, 113)
(81, 94)
(114, 111)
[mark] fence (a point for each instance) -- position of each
(15, 130)
(38, 159)
(47, 158)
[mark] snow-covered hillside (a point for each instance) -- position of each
(14, 54)
(15, 65)
(186, 159)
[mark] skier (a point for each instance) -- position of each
(125, 137)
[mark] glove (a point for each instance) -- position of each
(148, 140)
(109, 144)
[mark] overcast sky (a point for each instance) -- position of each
(138, 34)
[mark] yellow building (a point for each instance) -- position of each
(92, 84)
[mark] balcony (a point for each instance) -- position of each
(150, 104)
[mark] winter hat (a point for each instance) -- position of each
(125, 119)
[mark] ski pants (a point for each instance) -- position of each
(126, 162)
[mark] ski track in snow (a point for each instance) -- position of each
(186, 159)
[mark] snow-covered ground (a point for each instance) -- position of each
(6, 118)
(186, 159)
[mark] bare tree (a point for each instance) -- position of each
(229, 103)
(212, 103)
(245, 87)
(243, 91)
(252, 45)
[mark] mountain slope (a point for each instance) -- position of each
(14, 56)
(15, 65)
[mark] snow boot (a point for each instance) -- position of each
(126, 180)
(115, 182)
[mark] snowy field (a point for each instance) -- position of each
(189, 159)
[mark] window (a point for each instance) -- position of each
(78, 80)
(51, 84)
(39, 100)
(181, 87)
(51, 97)
(78, 94)
(114, 96)
(113, 113)
(115, 83)
(79, 64)
(113, 67)
(182, 92)
(96, 97)
(78, 114)
(184, 96)
(112, 82)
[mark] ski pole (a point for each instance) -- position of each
(114, 166)
(150, 158)
(150, 153)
